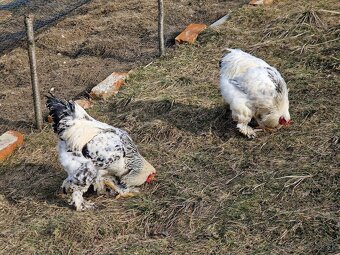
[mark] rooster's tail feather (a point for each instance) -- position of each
(59, 109)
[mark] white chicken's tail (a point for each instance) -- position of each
(60, 110)
(72, 123)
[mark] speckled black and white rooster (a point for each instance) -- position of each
(253, 89)
(95, 153)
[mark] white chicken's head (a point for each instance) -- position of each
(283, 108)
(284, 122)
(150, 178)
(276, 115)
(149, 170)
(273, 119)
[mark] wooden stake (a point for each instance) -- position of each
(33, 68)
(161, 27)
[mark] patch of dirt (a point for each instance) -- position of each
(216, 192)
(88, 44)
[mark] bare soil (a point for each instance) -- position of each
(216, 191)
(82, 48)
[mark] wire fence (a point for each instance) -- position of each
(80, 42)
(12, 28)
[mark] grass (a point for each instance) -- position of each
(216, 191)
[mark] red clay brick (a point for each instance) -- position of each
(109, 87)
(49, 119)
(9, 141)
(85, 103)
(190, 33)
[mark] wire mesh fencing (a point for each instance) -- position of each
(12, 28)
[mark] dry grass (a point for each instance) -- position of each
(84, 47)
(216, 192)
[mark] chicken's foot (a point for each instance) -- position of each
(246, 130)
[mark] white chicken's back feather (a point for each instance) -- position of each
(253, 88)
(238, 62)
(81, 128)
(80, 132)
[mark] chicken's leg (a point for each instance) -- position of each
(78, 201)
(111, 184)
(77, 195)
(242, 115)
(122, 191)
(128, 194)
(246, 130)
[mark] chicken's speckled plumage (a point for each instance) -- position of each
(93, 153)
(253, 89)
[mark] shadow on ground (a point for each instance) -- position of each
(195, 119)
(31, 181)
(21, 125)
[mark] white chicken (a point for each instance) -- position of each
(95, 153)
(253, 89)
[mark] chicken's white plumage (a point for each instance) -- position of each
(253, 89)
(95, 153)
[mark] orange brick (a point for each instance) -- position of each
(261, 2)
(9, 141)
(110, 86)
(190, 33)
(85, 103)
(49, 119)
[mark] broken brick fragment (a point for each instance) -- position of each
(109, 87)
(49, 119)
(190, 33)
(10, 141)
(84, 103)
(261, 2)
